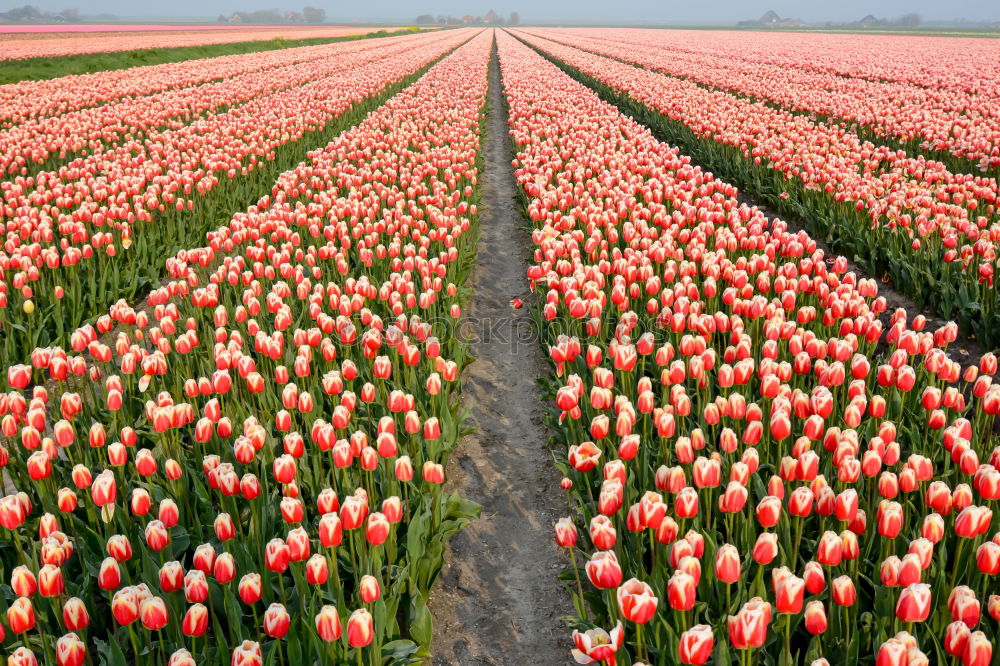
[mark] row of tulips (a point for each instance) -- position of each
(933, 232)
(33, 100)
(945, 124)
(48, 46)
(98, 229)
(248, 469)
(749, 481)
(46, 143)
(946, 63)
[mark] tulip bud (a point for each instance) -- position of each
(815, 618)
(604, 571)
(195, 621)
(181, 658)
(75, 615)
(843, 591)
(956, 637)
(727, 564)
(317, 570)
(360, 628)
(250, 588)
(766, 548)
(21, 616)
(695, 645)
(636, 601)
(328, 623)
(276, 621)
(978, 650)
(247, 654)
(914, 603)
(125, 606)
(50, 581)
(681, 591)
(277, 556)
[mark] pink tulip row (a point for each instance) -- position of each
(97, 210)
(964, 125)
(30, 100)
(43, 45)
(747, 473)
(248, 468)
(932, 217)
(83, 28)
(99, 128)
(947, 63)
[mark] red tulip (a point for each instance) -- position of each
(748, 628)
(360, 628)
(157, 535)
(328, 623)
(566, 534)
(250, 588)
(597, 645)
(788, 591)
(70, 650)
(224, 570)
(125, 606)
(75, 615)
(50, 581)
(277, 556)
(766, 548)
(636, 601)
(956, 637)
(815, 618)
(369, 589)
(23, 581)
(247, 653)
(695, 645)
(914, 603)
(681, 591)
(769, 511)
(276, 621)
(604, 571)
(195, 586)
(21, 616)
(978, 650)
(22, 656)
(727, 564)
(109, 575)
(843, 592)
(317, 571)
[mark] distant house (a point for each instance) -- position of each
(771, 19)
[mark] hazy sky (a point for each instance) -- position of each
(620, 11)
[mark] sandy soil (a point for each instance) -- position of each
(499, 600)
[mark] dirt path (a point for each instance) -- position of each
(499, 600)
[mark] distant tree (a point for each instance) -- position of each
(314, 14)
(911, 20)
(222, 18)
(515, 18)
(491, 18)
(424, 19)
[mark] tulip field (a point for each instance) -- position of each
(24, 42)
(232, 299)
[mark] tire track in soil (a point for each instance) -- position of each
(499, 599)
